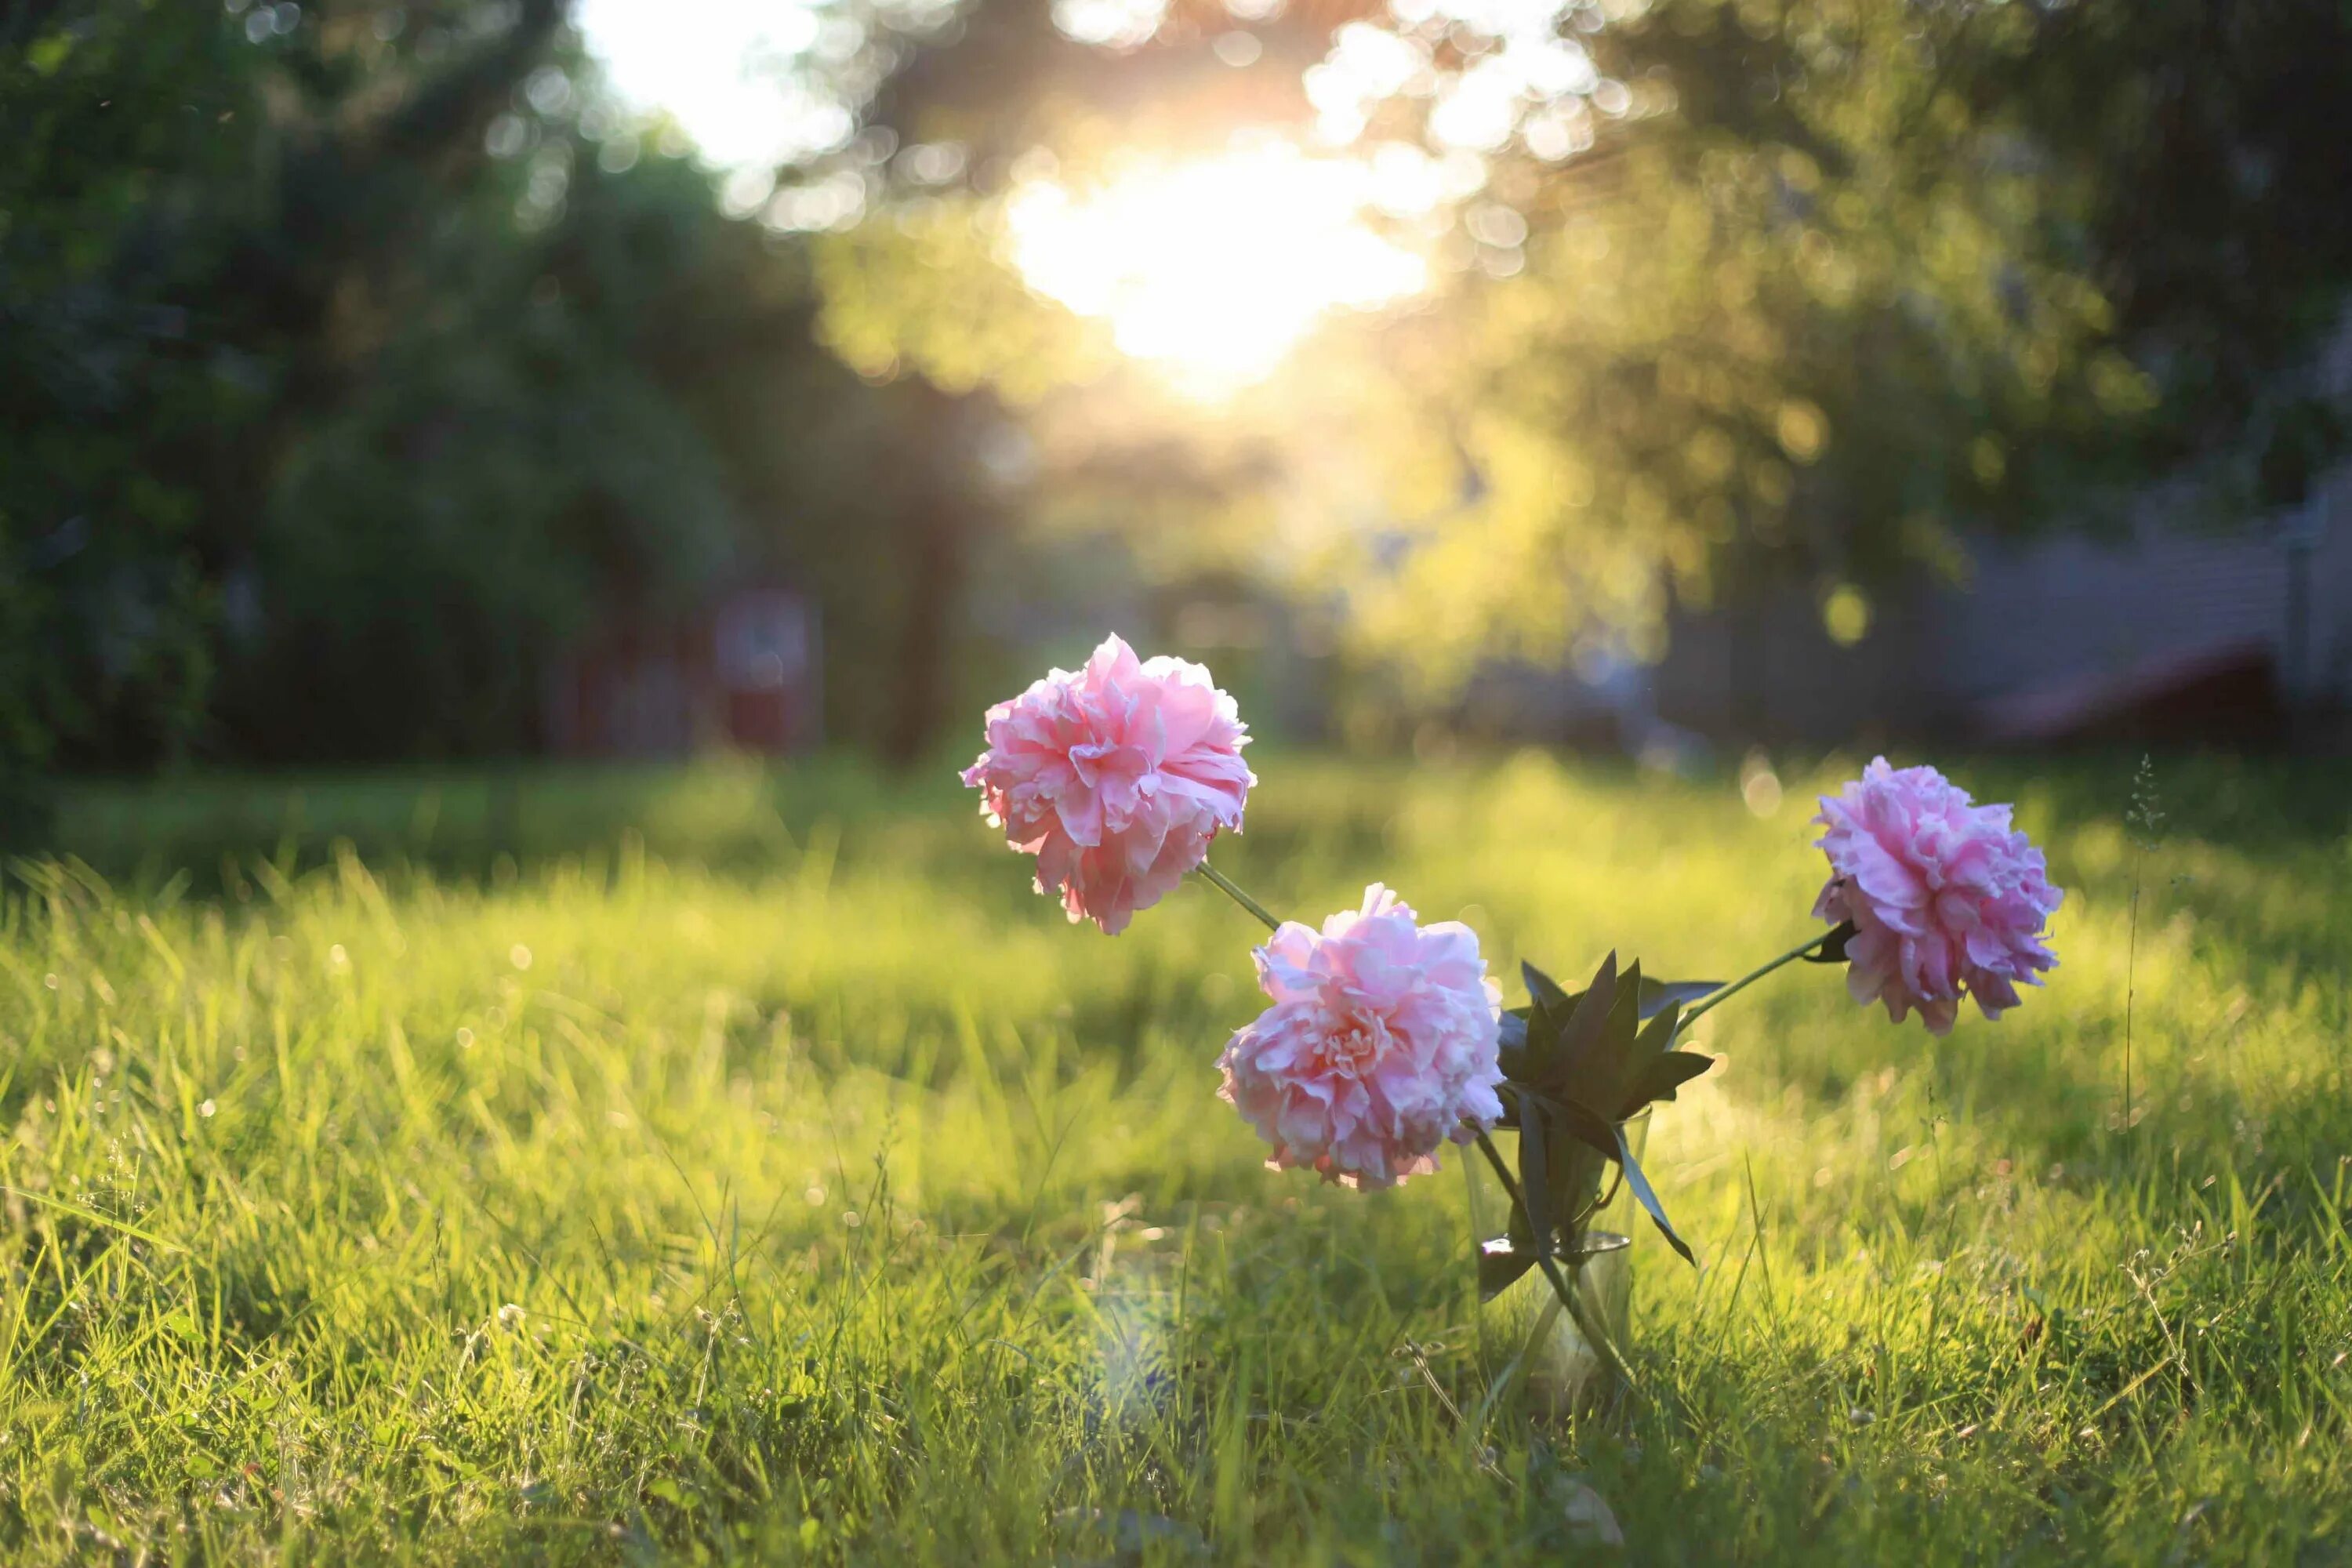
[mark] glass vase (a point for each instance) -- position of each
(1525, 1335)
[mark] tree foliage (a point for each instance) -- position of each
(1749, 292)
(358, 358)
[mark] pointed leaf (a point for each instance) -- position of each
(1577, 1168)
(1511, 1046)
(1657, 1037)
(1545, 1011)
(1657, 995)
(1582, 1123)
(1544, 992)
(1535, 1177)
(1833, 949)
(1496, 1270)
(1583, 1033)
(1662, 1076)
(1648, 1199)
(1596, 1074)
(1625, 1011)
(1582, 1144)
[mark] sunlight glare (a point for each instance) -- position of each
(1214, 267)
(728, 71)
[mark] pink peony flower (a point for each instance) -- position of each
(1115, 777)
(1379, 1045)
(1946, 897)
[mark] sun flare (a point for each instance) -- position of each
(1214, 267)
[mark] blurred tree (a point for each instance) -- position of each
(112, 134)
(359, 357)
(195, 205)
(516, 461)
(1764, 302)
(2207, 140)
(354, 355)
(1811, 290)
(1734, 292)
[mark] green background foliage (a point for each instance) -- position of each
(351, 378)
(359, 358)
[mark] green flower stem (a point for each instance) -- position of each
(1745, 981)
(1225, 885)
(1592, 1331)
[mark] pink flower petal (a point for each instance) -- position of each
(1948, 899)
(1116, 777)
(1380, 1047)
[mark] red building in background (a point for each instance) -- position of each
(740, 672)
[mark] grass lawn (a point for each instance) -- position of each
(721, 1167)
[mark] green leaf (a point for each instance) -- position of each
(1595, 1061)
(1657, 1037)
(1660, 1076)
(1625, 1012)
(1583, 1033)
(1547, 1010)
(1544, 992)
(1577, 1168)
(1579, 1122)
(1621, 1029)
(1658, 994)
(1535, 1177)
(1647, 1198)
(1833, 949)
(1498, 1270)
(1511, 1046)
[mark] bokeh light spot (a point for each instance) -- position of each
(1845, 615)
